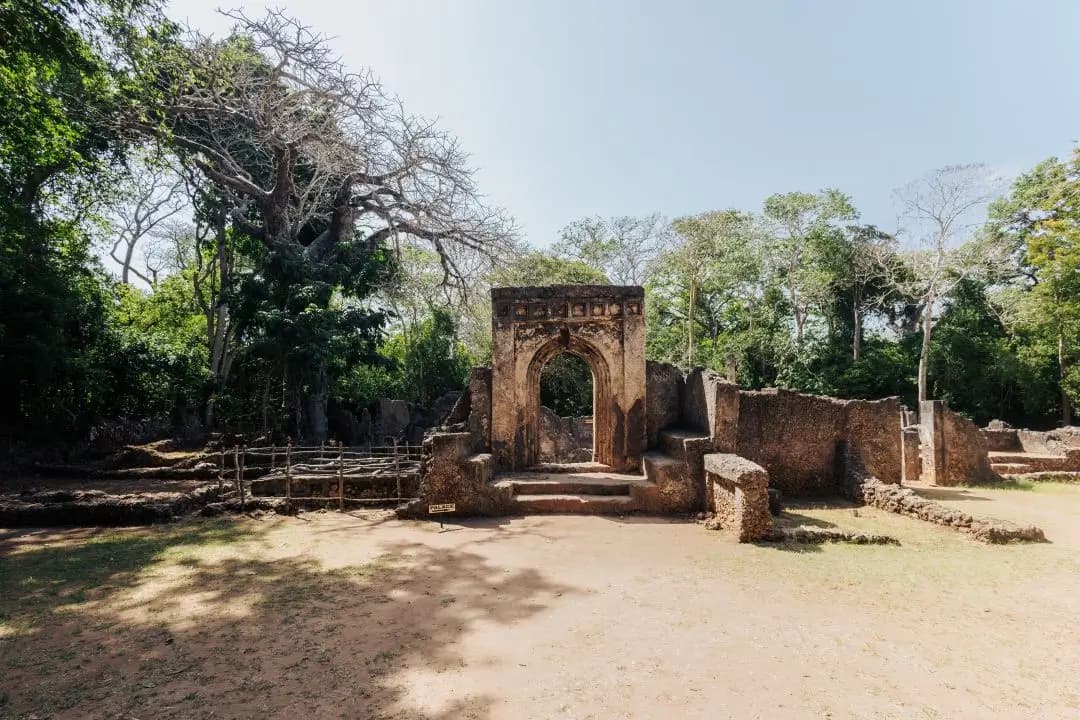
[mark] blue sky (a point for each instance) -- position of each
(581, 108)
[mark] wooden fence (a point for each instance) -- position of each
(306, 464)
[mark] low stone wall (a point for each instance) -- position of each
(905, 501)
(1052, 441)
(1002, 440)
(86, 508)
(739, 496)
(327, 487)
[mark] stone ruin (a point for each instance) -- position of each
(663, 441)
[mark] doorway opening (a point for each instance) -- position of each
(567, 398)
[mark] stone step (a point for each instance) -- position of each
(577, 504)
(581, 467)
(1010, 468)
(1025, 457)
(598, 484)
(673, 441)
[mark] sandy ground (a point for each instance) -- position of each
(363, 616)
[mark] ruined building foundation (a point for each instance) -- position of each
(664, 441)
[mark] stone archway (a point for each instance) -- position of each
(603, 450)
(602, 324)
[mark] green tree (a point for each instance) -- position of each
(1041, 216)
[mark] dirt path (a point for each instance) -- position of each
(363, 616)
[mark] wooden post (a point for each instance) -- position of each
(341, 476)
(236, 466)
(221, 470)
(240, 476)
(322, 448)
(288, 470)
(273, 452)
(397, 468)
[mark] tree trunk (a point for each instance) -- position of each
(315, 424)
(690, 323)
(856, 343)
(1063, 368)
(924, 354)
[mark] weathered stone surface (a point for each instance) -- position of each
(954, 451)
(564, 439)
(799, 439)
(739, 495)
(394, 416)
(451, 473)
(663, 399)
(602, 324)
(672, 490)
(94, 507)
(711, 406)
(910, 454)
(480, 408)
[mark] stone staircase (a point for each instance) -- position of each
(667, 482)
(585, 493)
(1019, 462)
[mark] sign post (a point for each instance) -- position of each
(441, 508)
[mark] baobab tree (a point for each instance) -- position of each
(941, 211)
(318, 164)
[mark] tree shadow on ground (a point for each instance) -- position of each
(940, 493)
(148, 633)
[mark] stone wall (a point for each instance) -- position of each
(739, 496)
(710, 405)
(954, 451)
(452, 473)
(1002, 440)
(799, 439)
(564, 439)
(664, 386)
(905, 501)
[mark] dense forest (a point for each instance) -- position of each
(240, 233)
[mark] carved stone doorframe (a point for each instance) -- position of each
(603, 325)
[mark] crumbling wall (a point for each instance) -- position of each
(799, 438)
(663, 399)
(1052, 442)
(479, 422)
(710, 405)
(905, 501)
(1002, 440)
(452, 473)
(564, 439)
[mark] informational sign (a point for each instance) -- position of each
(443, 508)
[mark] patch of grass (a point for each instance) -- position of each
(1025, 485)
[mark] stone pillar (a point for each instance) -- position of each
(909, 447)
(932, 441)
(726, 417)
(740, 495)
